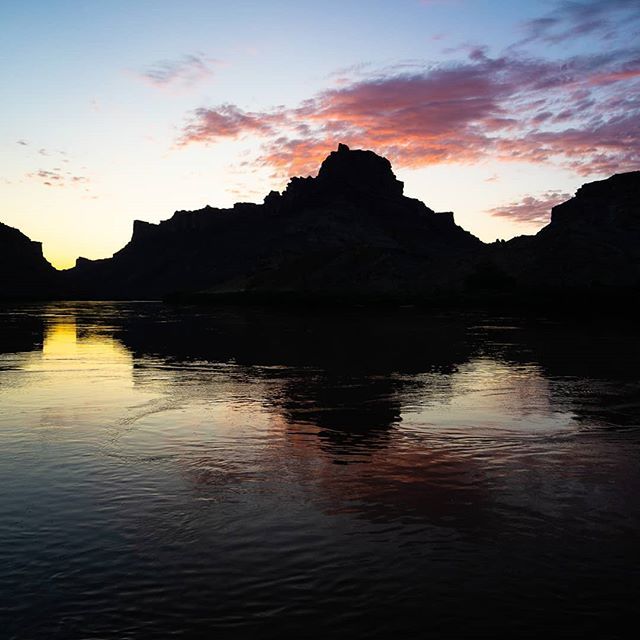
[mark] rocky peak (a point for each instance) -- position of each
(344, 174)
(24, 272)
(348, 171)
(16, 248)
(610, 203)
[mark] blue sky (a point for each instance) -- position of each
(121, 110)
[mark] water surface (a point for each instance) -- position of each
(171, 472)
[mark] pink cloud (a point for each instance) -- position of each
(580, 113)
(225, 121)
(615, 76)
(531, 209)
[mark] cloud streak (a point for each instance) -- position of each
(574, 19)
(58, 178)
(184, 71)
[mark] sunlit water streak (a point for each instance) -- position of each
(170, 473)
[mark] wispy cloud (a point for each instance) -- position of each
(184, 71)
(55, 175)
(531, 209)
(58, 178)
(572, 19)
(48, 178)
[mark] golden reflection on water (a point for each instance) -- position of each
(64, 344)
(80, 379)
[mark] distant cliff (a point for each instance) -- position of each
(591, 244)
(24, 272)
(350, 233)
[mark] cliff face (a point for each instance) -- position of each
(591, 243)
(349, 231)
(24, 272)
(605, 206)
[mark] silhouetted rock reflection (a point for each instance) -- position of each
(595, 357)
(343, 372)
(20, 331)
(353, 416)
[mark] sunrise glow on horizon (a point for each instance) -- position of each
(120, 111)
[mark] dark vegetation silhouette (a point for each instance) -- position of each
(350, 235)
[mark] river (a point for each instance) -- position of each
(183, 471)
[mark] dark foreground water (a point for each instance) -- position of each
(187, 472)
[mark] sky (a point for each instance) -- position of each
(121, 110)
